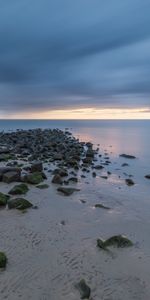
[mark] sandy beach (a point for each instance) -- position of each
(52, 246)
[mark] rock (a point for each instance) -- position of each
(57, 179)
(11, 176)
(73, 179)
(37, 167)
(4, 170)
(129, 181)
(19, 189)
(94, 174)
(118, 241)
(98, 205)
(42, 186)
(98, 167)
(127, 156)
(34, 178)
(60, 172)
(3, 199)
(87, 160)
(84, 289)
(3, 260)
(83, 201)
(125, 165)
(147, 176)
(67, 191)
(104, 177)
(19, 203)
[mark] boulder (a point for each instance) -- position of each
(19, 189)
(67, 191)
(11, 176)
(33, 178)
(36, 167)
(19, 203)
(3, 199)
(118, 241)
(147, 176)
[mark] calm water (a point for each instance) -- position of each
(124, 136)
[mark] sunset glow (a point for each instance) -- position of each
(84, 114)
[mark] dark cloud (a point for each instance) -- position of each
(82, 53)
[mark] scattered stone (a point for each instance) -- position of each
(118, 241)
(127, 156)
(125, 165)
(3, 199)
(98, 167)
(84, 289)
(60, 172)
(94, 174)
(42, 186)
(19, 189)
(3, 260)
(82, 201)
(104, 177)
(67, 191)
(73, 179)
(83, 176)
(129, 182)
(57, 179)
(19, 203)
(108, 172)
(98, 205)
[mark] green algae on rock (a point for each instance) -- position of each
(42, 186)
(84, 289)
(118, 241)
(3, 260)
(67, 191)
(19, 203)
(34, 178)
(3, 199)
(19, 189)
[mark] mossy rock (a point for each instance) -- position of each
(84, 289)
(42, 186)
(19, 189)
(118, 241)
(3, 199)
(19, 203)
(67, 191)
(3, 260)
(34, 178)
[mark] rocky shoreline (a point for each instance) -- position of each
(42, 158)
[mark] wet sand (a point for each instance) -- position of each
(51, 248)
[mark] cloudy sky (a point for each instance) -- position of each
(74, 55)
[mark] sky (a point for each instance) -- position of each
(75, 59)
